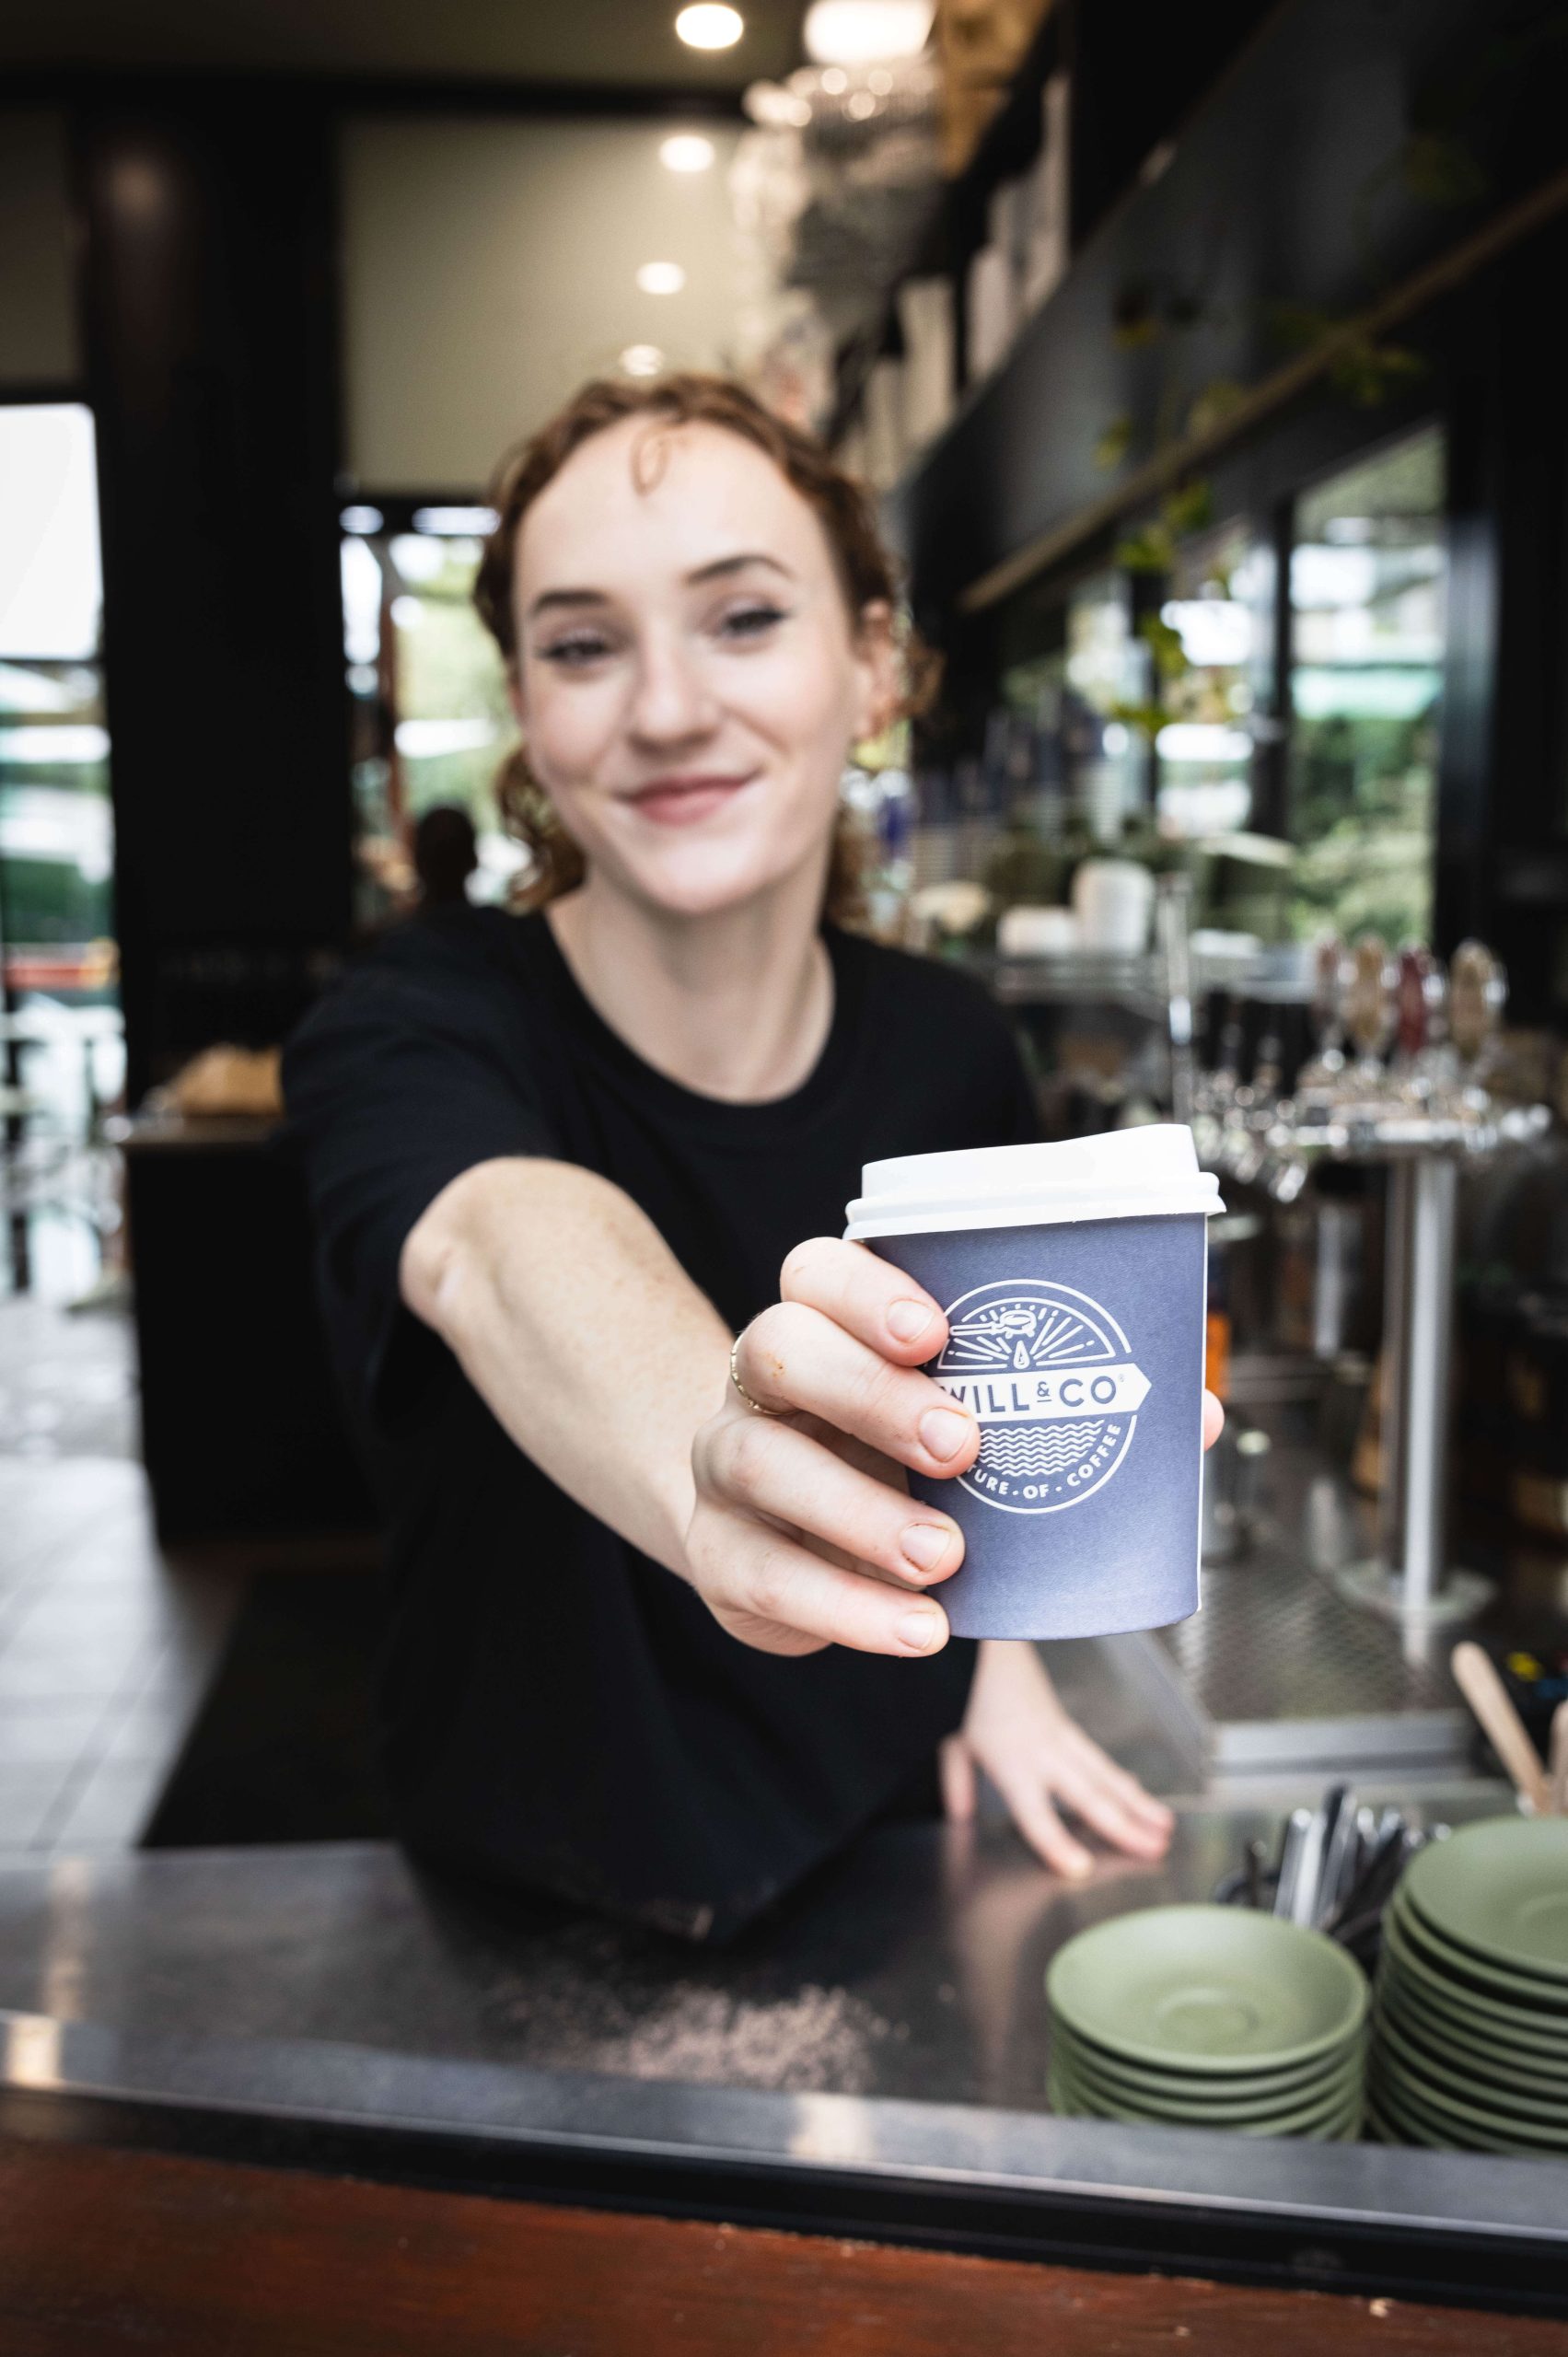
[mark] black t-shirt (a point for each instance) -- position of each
(556, 1709)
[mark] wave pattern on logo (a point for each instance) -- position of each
(1023, 1449)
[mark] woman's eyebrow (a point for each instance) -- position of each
(720, 568)
(722, 565)
(549, 597)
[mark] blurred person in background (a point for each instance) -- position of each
(445, 854)
(667, 1626)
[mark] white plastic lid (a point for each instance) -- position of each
(1148, 1173)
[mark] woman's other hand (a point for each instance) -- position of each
(804, 1534)
(1037, 1756)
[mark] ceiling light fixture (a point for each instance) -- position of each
(709, 26)
(686, 151)
(863, 32)
(661, 278)
(642, 360)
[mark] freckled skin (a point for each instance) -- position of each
(759, 676)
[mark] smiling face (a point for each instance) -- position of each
(689, 678)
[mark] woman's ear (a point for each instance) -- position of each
(877, 663)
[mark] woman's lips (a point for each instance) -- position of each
(684, 801)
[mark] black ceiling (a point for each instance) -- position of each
(616, 43)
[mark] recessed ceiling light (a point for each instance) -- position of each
(642, 360)
(686, 151)
(708, 26)
(862, 33)
(661, 278)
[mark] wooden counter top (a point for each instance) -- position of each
(103, 2250)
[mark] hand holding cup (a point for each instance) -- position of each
(804, 1533)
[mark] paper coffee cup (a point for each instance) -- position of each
(1073, 1277)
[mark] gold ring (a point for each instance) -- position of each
(755, 1405)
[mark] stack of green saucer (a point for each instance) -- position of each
(1471, 2045)
(1208, 2017)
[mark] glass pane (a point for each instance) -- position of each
(1107, 670)
(62, 1060)
(1219, 612)
(1368, 575)
(431, 717)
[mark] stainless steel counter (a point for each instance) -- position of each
(874, 2061)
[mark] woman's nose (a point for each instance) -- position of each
(670, 703)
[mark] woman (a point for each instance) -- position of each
(666, 1625)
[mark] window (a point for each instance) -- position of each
(1220, 609)
(430, 720)
(1368, 579)
(56, 832)
(62, 1056)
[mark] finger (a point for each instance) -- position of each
(772, 1469)
(956, 1766)
(867, 1296)
(795, 1357)
(1110, 1773)
(1213, 1420)
(745, 1570)
(1043, 1828)
(1109, 1814)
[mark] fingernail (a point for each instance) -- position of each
(919, 1630)
(927, 1545)
(907, 1320)
(1079, 1864)
(945, 1431)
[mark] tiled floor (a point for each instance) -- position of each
(106, 1645)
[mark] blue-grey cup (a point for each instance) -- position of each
(1073, 1281)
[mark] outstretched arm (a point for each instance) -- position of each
(575, 1322)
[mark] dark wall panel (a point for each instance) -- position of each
(1295, 182)
(209, 299)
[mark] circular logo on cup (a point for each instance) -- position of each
(1051, 1376)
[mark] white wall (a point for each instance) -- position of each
(490, 266)
(37, 328)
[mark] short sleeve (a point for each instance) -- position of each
(395, 1085)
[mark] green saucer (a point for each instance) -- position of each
(1449, 2014)
(1328, 2096)
(1470, 2051)
(1432, 2103)
(1316, 2123)
(1500, 1887)
(1096, 2067)
(1411, 2107)
(1479, 2013)
(1382, 2107)
(1381, 2129)
(1530, 1991)
(1406, 2059)
(1216, 1989)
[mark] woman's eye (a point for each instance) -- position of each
(750, 621)
(572, 653)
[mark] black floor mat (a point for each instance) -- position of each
(281, 1749)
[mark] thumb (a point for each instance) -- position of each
(955, 1763)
